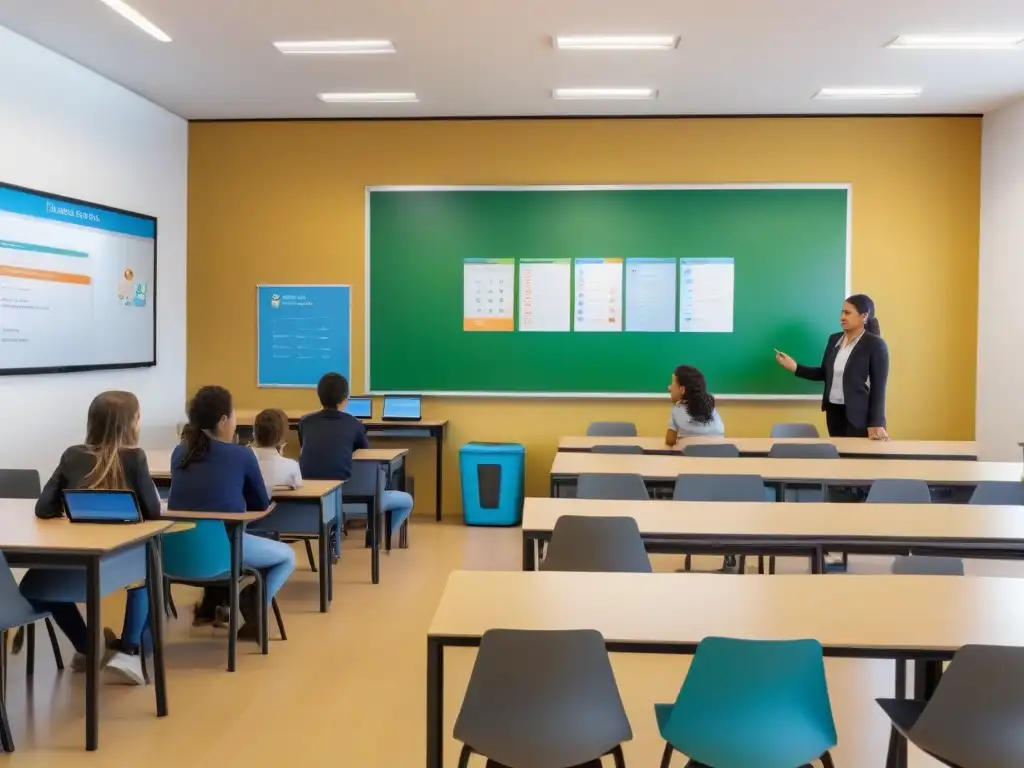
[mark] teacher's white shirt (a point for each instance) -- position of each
(835, 394)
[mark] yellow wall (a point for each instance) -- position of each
(283, 203)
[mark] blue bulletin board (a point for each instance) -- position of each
(303, 332)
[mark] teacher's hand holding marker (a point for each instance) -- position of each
(855, 370)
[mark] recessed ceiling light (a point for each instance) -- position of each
(958, 42)
(137, 19)
(605, 93)
(334, 47)
(909, 92)
(617, 42)
(368, 97)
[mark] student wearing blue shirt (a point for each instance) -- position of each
(330, 436)
(693, 411)
(210, 473)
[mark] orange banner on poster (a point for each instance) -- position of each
(44, 274)
(488, 324)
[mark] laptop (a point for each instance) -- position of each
(360, 407)
(101, 506)
(402, 408)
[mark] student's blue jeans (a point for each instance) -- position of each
(399, 504)
(274, 558)
(68, 618)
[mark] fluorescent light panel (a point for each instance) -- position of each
(617, 42)
(607, 94)
(381, 97)
(958, 42)
(902, 92)
(334, 47)
(137, 19)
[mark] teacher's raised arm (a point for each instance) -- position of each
(855, 370)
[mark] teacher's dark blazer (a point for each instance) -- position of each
(865, 405)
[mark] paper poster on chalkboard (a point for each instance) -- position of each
(303, 332)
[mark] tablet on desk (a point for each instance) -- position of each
(402, 408)
(83, 506)
(360, 407)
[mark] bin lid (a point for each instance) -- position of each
(493, 448)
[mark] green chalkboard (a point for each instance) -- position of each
(789, 245)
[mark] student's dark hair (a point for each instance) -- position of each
(206, 409)
(865, 306)
(699, 403)
(332, 390)
(270, 428)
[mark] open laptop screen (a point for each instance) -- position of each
(360, 407)
(399, 408)
(101, 506)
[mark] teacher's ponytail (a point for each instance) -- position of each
(865, 306)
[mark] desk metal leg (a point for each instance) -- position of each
(374, 523)
(93, 654)
(435, 703)
(155, 588)
(324, 542)
(529, 554)
(235, 536)
(438, 441)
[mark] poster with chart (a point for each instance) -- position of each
(488, 287)
(598, 299)
(706, 288)
(650, 295)
(545, 295)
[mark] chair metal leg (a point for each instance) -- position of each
(264, 612)
(403, 535)
(277, 615)
(6, 739)
(170, 609)
(760, 564)
(771, 565)
(58, 657)
(666, 756)
(618, 757)
(826, 761)
(687, 563)
(309, 555)
(30, 651)
(743, 564)
(3, 666)
(464, 756)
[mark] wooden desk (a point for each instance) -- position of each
(848, 447)
(883, 617)
(683, 527)
(663, 470)
(27, 541)
(160, 460)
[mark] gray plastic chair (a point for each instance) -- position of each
(803, 451)
(899, 492)
(612, 429)
(633, 449)
(611, 486)
(734, 488)
(596, 544)
(794, 429)
(915, 565)
(712, 450)
(973, 718)
(999, 494)
(542, 699)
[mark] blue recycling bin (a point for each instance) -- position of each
(492, 483)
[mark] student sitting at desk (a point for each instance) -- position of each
(210, 473)
(329, 437)
(693, 413)
(111, 460)
(270, 434)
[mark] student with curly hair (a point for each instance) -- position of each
(693, 411)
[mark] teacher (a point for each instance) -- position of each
(855, 369)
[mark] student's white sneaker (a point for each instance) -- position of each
(124, 669)
(78, 660)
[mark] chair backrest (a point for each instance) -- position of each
(611, 486)
(612, 429)
(899, 492)
(14, 608)
(19, 484)
(733, 488)
(916, 565)
(544, 699)
(996, 493)
(728, 677)
(202, 552)
(712, 450)
(794, 429)
(617, 449)
(803, 451)
(596, 544)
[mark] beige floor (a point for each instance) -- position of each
(348, 688)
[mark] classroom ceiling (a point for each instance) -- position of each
(494, 57)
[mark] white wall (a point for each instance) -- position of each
(66, 130)
(1000, 406)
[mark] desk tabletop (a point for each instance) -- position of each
(379, 454)
(250, 516)
(844, 613)
(160, 460)
(568, 464)
(311, 489)
(955, 522)
(847, 446)
(22, 531)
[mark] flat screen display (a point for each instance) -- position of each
(401, 408)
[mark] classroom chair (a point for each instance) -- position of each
(999, 494)
(541, 699)
(899, 492)
(611, 429)
(916, 565)
(25, 484)
(611, 486)
(803, 451)
(634, 449)
(751, 702)
(974, 716)
(712, 450)
(734, 488)
(794, 429)
(593, 544)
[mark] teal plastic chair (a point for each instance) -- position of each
(751, 704)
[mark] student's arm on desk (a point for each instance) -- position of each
(49, 505)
